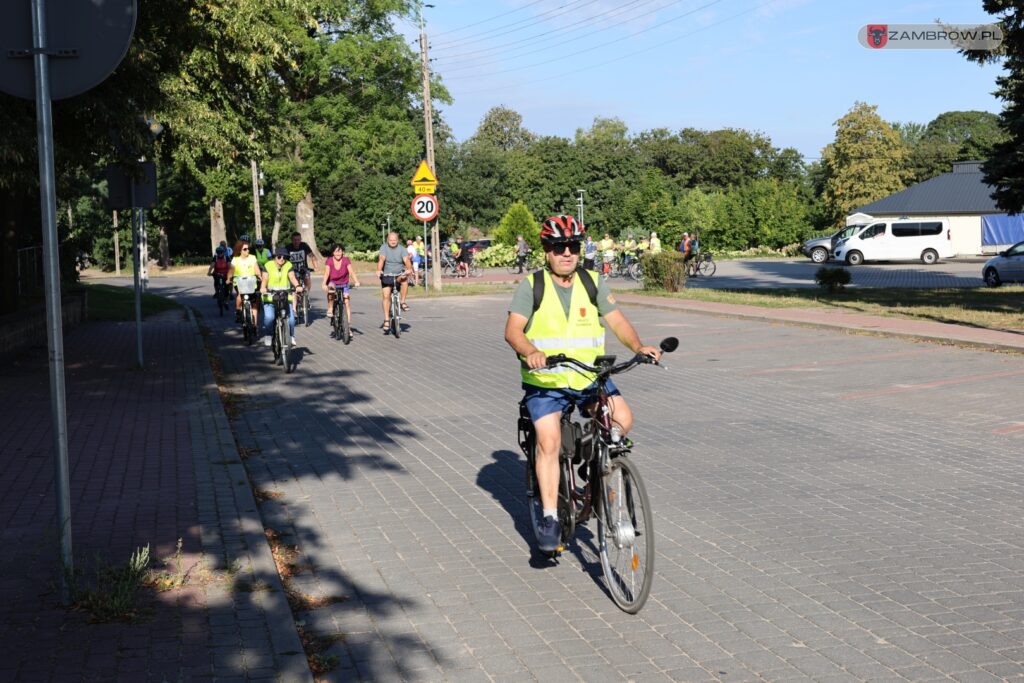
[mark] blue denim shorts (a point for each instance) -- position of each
(541, 401)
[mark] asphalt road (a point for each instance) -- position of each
(829, 507)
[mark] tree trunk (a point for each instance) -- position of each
(218, 232)
(304, 224)
(277, 219)
(165, 249)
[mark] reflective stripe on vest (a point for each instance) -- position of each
(580, 336)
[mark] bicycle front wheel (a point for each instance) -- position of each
(284, 343)
(626, 533)
(305, 308)
(396, 326)
(346, 327)
(707, 268)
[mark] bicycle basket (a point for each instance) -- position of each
(246, 284)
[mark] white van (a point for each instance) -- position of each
(900, 239)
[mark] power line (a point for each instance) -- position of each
(563, 30)
(484, 21)
(536, 19)
(619, 40)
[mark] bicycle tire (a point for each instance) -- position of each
(284, 343)
(247, 326)
(305, 308)
(346, 327)
(626, 536)
(566, 507)
(339, 313)
(396, 326)
(275, 344)
(707, 268)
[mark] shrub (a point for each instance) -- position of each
(832, 279)
(664, 270)
(495, 256)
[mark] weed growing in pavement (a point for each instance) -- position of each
(113, 592)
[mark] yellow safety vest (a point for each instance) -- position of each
(277, 278)
(580, 336)
(655, 245)
(246, 267)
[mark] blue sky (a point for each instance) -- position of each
(786, 68)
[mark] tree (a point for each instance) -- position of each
(1005, 166)
(518, 221)
(952, 136)
(867, 161)
(502, 127)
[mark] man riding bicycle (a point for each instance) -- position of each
(299, 254)
(565, 320)
(393, 269)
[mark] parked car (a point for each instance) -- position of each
(475, 246)
(820, 249)
(1007, 266)
(898, 240)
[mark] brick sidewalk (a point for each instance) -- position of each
(152, 460)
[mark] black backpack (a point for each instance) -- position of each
(582, 273)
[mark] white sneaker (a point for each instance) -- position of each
(266, 340)
(293, 341)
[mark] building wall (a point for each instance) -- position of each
(965, 231)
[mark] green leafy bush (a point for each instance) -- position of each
(495, 256)
(664, 270)
(832, 279)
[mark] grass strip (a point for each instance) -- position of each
(110, 302)
(995, 309)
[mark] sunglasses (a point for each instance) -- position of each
(560, 247)
(280, 257)
(245, 248)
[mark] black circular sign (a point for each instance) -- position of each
(86, 40)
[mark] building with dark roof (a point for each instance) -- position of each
(963, 199)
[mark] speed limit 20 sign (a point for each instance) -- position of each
(424, 207)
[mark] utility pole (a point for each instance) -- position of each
(428, 129)
(579, 205)
(256, 199)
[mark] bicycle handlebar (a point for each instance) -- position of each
(668, 345)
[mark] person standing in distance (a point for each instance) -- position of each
(568, 322)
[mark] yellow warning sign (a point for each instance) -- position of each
(429, 188)
(423, 175)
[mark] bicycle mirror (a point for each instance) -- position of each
(669, 344)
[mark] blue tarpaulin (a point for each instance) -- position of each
(998, 229)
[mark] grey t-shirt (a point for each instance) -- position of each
(394, 259)
(522, 299)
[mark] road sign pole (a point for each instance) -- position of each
(425, 287)
(136, 249)
(54, 330)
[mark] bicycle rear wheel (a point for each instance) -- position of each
(707, 267)
(626, 533)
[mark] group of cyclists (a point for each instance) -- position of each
(560, 315)
(287, 267)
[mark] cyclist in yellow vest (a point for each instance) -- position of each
(566, 321)
(278, 274)
(244, 264)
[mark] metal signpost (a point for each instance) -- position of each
(424, 208)
(88, 40)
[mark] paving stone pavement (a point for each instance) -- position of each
(829, 507)
(152, 460)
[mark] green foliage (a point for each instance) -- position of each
(496, 256)
(518, 221)
(113, 591)
(866, 162)
(664, 270)
(832, 279)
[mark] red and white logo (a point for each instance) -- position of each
(878, 35)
